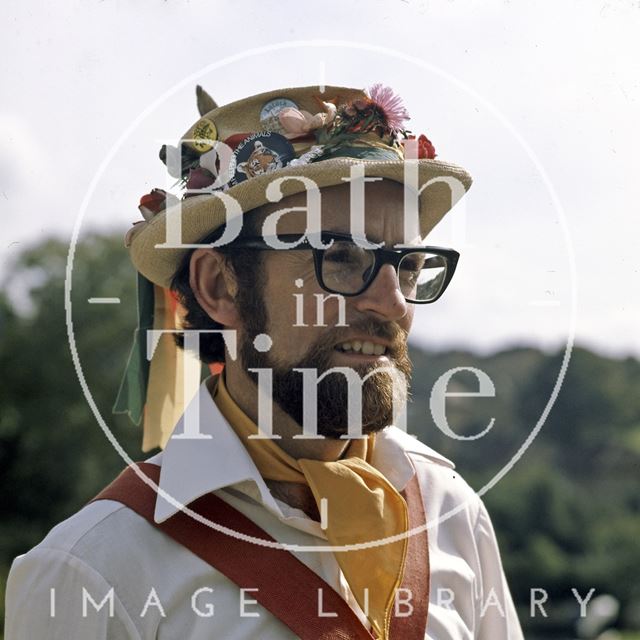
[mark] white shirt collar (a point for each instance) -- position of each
(191, 468)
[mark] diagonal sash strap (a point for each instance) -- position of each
(413, 597)
(295, 601)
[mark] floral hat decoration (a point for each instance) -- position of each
(239, 148)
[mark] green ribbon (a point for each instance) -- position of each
(364, 152)
(132, 393)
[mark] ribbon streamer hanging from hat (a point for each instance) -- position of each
(153, 391)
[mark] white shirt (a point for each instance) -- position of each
(152, 587)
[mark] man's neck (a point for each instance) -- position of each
(244, 393)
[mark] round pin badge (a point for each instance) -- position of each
(204, 133)
(270, 110)
(258, 154)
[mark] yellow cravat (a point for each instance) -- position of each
(362, 506)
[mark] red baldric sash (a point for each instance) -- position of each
(286, 586)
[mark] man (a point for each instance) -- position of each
(336, 524)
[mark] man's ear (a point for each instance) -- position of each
(214, 287)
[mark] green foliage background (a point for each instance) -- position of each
(567, 515)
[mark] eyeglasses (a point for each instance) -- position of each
(346, 268)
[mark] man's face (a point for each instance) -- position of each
(378, 320)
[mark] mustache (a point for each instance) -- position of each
(390, 332)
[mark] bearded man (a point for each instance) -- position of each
(287, 505)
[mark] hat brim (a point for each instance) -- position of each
(200, 215)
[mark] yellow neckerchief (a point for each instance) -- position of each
(362, 506)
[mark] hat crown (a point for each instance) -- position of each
(228, 159)
(244, 115)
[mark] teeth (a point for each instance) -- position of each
(367, 348)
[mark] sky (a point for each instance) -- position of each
(538, 100)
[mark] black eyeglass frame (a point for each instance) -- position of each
(381, 257)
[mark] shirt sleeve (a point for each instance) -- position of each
(495, 612)
(53, 594)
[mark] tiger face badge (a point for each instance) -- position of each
(260, 153)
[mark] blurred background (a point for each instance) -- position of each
(538, 101)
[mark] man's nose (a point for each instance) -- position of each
(383, 296)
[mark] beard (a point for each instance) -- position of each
(382, 391)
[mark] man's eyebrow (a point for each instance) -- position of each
(346, 232)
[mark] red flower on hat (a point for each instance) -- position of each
(426, 150)
(151, 204)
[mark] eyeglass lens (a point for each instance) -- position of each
(347, 268)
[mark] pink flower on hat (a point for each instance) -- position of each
(296, 122)
(426, 150)
(391, 106)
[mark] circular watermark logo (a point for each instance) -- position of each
(259, 160)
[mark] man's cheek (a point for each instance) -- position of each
(407, 321)
(310, 309)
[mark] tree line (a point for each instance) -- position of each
(567, 514)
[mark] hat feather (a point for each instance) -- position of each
(205, 102)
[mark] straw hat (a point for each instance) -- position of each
(295, 132)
